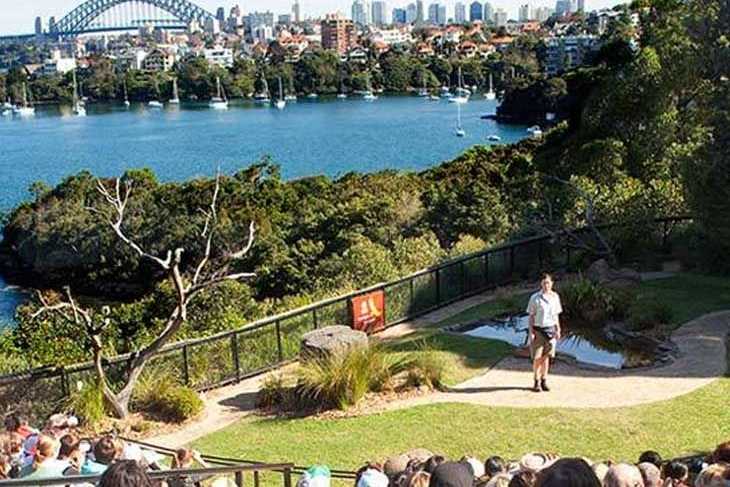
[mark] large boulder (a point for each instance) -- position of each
(601, 272)
(328, 340)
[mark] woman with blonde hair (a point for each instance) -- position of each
(46, 463)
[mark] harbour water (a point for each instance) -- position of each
(325, 136)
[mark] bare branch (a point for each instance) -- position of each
(211, 218)
(119, 203)
(241, 253)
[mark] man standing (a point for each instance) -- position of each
(544, 309)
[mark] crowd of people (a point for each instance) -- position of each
(57, 451)
(544, 470)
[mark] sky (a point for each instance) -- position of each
(18, 16)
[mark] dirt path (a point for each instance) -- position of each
(702, 360)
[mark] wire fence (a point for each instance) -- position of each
(271, 342)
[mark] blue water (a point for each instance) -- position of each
(10, 298)
(325, 136)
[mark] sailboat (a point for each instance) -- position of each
(156, 103)
(175, 100)
(368, 95)
(490, 95)
(264, 97)
(281, 103)
(292, 93)
(126, 95)
(460, 132)
(342, 95)
(462, 95)
(219, 101)
(25, 109)
(423, 91)
(79, 108)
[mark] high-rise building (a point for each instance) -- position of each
(582, 6)
(400, 16)
(524, 13)
(420, 14)
(360, 12)
(500, 18)
(378, 12)
(284, 19)
(563, 7)
(52, 28)
(488, 13)
(541, 14)
(220, 14)
(411, 11)
(338, 33)
(459, 13)
(436, 14)
(296, 10)
(38, 25)
(475, 11)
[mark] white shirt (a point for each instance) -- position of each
(545, 308)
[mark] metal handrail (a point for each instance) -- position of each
(61, 371)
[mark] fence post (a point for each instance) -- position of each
(665, 235)
(567, 257)
(287, 477)
(485, 263)
(315, 319)
(385, 307)
(539, 255)
(239, 479)
(278, 341)
(438, 285)
(65, 392)
(462, 271)
(236, 360)
(412, 295)
(256, 480)
(511, 262)
(186, 371)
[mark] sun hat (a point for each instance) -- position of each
(534, 462)
(373, 478)
(476, 466)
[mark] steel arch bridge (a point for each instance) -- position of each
(80, 20)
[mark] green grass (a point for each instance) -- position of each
(692, 423)
(484, 310)
(465, 357)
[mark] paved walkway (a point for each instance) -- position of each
(702, 360)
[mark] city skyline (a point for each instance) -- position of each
(18, 16)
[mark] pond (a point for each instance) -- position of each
(587, 346)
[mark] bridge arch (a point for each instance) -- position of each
(79, 19)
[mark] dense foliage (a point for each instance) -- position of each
(645, 131)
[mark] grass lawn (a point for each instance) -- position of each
(691, 423)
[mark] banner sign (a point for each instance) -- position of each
(368, 312)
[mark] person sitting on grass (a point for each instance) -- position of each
(623, 475)
(568, 472)
(650, 456)
(46, 463)
(650, 474)
(185, 459)
(494, 465)
(676, 474)
(721, 453)
(106, 450)
(715, 475)
(544, 309)
(526, 478)
(125, 473)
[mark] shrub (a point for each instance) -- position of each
(177, 404)
(343, 378)
(87, 402)
(586, 303)
(647, 313)
(160, 395)
(426, 368)
(274, 392)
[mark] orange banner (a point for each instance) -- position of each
(368, 312)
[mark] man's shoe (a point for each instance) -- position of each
(537, 387)
(544, 386)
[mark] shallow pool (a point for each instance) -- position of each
(584, 345)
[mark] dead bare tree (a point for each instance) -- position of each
(210, 271)
(589, 238)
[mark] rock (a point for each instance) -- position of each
(601, 272)
(395, 465)
(325, 341)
